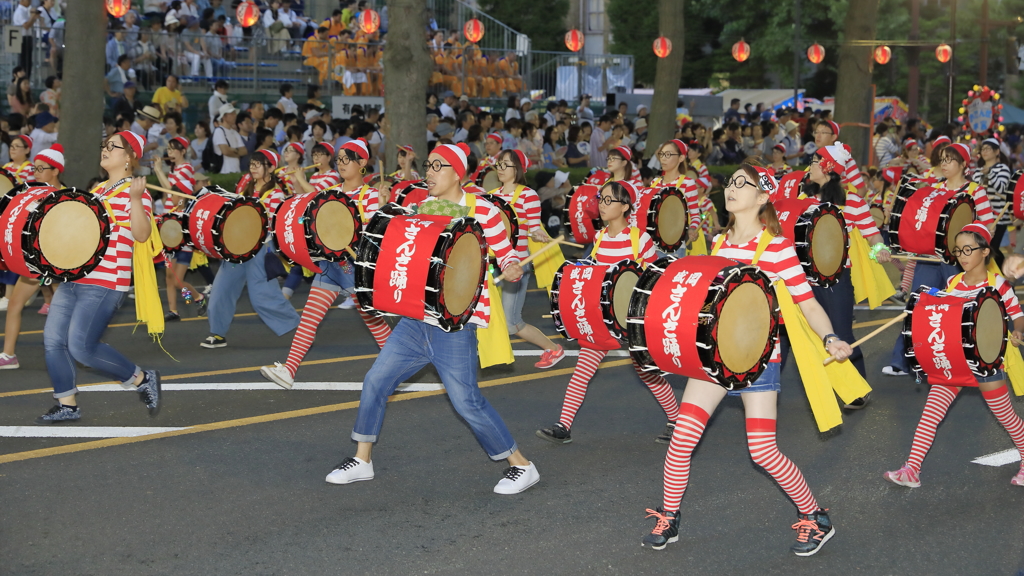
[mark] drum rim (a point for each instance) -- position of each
(821, 279)
(34, 258)
(510, 213)
(595, 224)
(434, 299)
(653, 205)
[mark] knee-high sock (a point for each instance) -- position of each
(378, 327)
(662, 391)
(586, 367)
(907, 282)
(765, 452)
(319, 302)
(935, 408)
(689, 427)
(999, 402)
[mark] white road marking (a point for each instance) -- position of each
(73, 431)
(231, 386)
(998, 458)
(624, 353)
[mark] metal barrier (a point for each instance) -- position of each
(450, 16)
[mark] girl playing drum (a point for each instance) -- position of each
(752, 237)
(973, 252)
(673, 158)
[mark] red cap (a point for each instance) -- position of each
(496, 138)
(833, 126)
(892, 174)
(455, 154)
(329, 147)
(941, 140)
(359, 147)
(523, 160)
(181, 140)
(272, 157)
(297, 147)
(625, 151)
(54, 156)
(979, 229)
(962, 150)
(683, 148)
(134, 140)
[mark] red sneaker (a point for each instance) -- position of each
(549, 358)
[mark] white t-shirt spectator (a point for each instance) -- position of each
(460, 135)
(215, 102)
(41, 140)
(234, 140)
(21, 15)
(289, 105)
(446, 111)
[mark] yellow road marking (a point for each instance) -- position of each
(92, 445)
(127, 324)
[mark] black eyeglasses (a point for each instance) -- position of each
(738, 182)
(504, 165)
(434, 165)
(109, 146)
(965, 251)
(667, 155)
(608, 201)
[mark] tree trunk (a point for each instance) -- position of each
(854, 100)
(662, 124)
(82, 102)
(407, 69)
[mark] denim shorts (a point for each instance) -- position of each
(334, 278)
(993, 378)
(769, 381)
(183, 257)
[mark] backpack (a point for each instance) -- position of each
(212, 162)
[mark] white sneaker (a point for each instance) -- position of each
(348, 304)
(208, 289)
(351, 470)
(279, 375)
(3, 304)
(517, 479)
(893, 371)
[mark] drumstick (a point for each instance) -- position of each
(874, 333)
(297, 170)
(573, 244)
(169, 191)
(351, 252)
(998, 218)
(918, 258)
(531, 257)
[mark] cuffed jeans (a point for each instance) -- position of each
(513, 298)
(79, 314)
(411, 346)
(265, 296)
(933, 276)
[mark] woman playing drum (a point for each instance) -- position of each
(336, 278)
(265, 295)
(673, 157)
(82, 309)
(511, 166)
(618, 241)
(414, 344)
(20, 164)
(182, 177)
(973, 252)
(955, 159)
(752, 237)
(48, 166)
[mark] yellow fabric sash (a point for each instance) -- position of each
(198, 259)
(700, 246)
(1013, 363)
(492, 343)
(868, 277)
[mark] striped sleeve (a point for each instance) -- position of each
(528, 209)
(274, 200)
(982, 205)
(692, 202)
(647, 251)
(780, 259)
(857, 214)
(494, 232)
(183, 177)
(371, 201)
(1009, 298)
(324, 181)
(852, 175)
(703, 177)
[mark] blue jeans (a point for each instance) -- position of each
(79, 314)
(933, 276)
(335, 278)
(769, 381)
(513, 298)
(413, 345)
(265, 296)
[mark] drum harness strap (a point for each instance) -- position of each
(634, 239)
(762, 245)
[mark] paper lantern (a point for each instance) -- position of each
(943, 53)
(473, 30)
(118, 8)
(741, 51)
(369, 21)
(247, 14)
(816, 53)
(662, 47)
(574, 40)
(883, 54)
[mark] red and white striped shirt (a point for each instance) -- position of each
(779, 260)
(271, 199)
(703, 176)
(1009, 298)
(614, 249)
(183, 177)
(706, 207)
(473, 189)
(325, 180)
(852, 175)
(367, 199)
(686, 185)
(489, 218)
(857, 213)
(982, 207)
(24, 172)
(115, 270)
(527, 207)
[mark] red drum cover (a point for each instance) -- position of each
(580, 212)
(579, 304)
(13, 224)
(290, 235)
(409, 192)
(936, 340)
(790, 186)
(920, 219)
(404, 260)
(1017, 183)
(200, 222)
(598, 178)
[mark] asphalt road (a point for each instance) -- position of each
(240, 490)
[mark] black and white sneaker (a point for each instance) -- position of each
(893, 371)
(557, 434)
(812, 531)
(666, 436)
(665, 532)
(214, 341)
(149, 391)
(202, 305)
(60, 413)
(516, 479)
(351, 470)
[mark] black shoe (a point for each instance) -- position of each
(666, 436)
(557, 434)
(201, 306)
(171, 317)
(149, 391)
(60, 413)
(859, 403)
(665, 532)
(214, 341)
(812, 531)
(899, 297)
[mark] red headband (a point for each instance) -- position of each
(297, 147)
(683, 148)
(134, 140)
(834, 127)
(272, 157)
(941, 140)
(455, 154)
(523, 160)
(359, 147)
(329, 147)
(625, 151)
(979, 229)
(496, 138)
(962, 150)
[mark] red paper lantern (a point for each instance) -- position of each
(943, 53)
(247, 14)
(473, 30)
(574, 40)
(883, 54)
(816, 53)
(117, 8)
(662, 47)
(369, 21)
(741, 51)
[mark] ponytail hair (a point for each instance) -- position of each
(766, 215)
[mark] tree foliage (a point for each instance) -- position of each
(542, 20)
